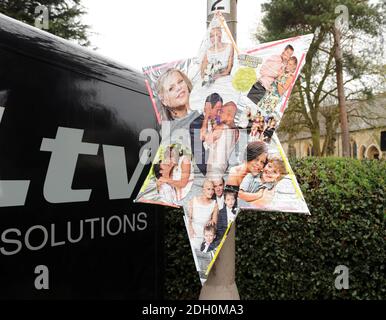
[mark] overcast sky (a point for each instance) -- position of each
(148, 32)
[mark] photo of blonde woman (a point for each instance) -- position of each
(202, 211)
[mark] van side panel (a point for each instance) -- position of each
(40, 99)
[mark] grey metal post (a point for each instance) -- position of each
(221, 283)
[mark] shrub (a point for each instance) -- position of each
(293, 256)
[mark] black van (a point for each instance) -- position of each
(70, 122)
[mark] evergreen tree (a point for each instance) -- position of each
(64, 16)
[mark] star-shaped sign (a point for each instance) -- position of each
(219, 151)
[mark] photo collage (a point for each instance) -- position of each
(219, 152)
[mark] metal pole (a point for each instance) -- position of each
(221, 283)
(230, 18)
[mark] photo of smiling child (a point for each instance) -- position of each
(227, 214)
(209, 237)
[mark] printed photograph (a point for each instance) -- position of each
(219, 152)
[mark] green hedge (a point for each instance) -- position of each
(292, 256)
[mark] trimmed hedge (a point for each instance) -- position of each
(292, 256)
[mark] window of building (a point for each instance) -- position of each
(354, 150)
(373, 153)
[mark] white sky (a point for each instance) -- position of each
(147, 32)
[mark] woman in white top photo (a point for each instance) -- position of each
(202, 211)
(218, 60)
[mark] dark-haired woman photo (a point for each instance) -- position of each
(256, 157)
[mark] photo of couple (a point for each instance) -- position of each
(270, 92)
(276, 75)
(219, 152)
(171, 177)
